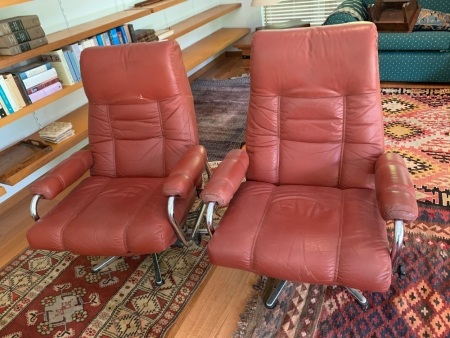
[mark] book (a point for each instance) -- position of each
(120, 36)
(74, 55)
(22, 36)
(32, 69)
(114, 37)
(7, 96)
(58, 61)
(100, 39)
(75, 48)
(14, 90)
(2, 112)
(3, 106)
(23, 47)
(22, 88)
(125, 30)
(70, 64)
(18, 23)
(39, 78)
(40, 94)
(40, 86)
(132, 32)
(163, 34)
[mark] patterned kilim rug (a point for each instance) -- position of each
(417, 126)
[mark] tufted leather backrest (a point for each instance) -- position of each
(141, 109)
(315, 115)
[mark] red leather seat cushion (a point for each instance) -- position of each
(111, 205)
(314, 234)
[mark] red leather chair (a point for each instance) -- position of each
(319, 187)
(144, 159)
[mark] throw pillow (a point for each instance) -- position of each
(430, 20)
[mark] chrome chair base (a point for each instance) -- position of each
(271, 301)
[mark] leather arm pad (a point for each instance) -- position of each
(226, 178)
(187, 173)
(63, 175)
(395, 191)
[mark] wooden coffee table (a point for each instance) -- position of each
(245, 43)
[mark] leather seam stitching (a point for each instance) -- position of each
(338, 255)
(344, 117)
(259, 227)
(93, 196)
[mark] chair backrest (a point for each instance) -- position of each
(315, 114)
(141, 109)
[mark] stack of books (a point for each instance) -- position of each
(20, 34)
(144, 35)
(56, 132)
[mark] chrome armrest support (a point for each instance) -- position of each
(33, 207)
(398, 241)
(209, 218)
(174, 223)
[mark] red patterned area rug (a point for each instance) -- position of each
(55, 294)
(417, 126)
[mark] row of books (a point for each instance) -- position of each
(25, 85)
(20, 34)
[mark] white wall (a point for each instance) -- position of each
(56, 15)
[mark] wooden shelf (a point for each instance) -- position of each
(159, 6)
(201, 19)
(6, 3)
(79, 122)
(39, 104)
(202, 50)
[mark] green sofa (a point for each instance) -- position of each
(419, 56)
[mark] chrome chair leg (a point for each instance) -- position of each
(271, 301)
(158, 279)
(104, 263)
(359, 298)
(399, 233)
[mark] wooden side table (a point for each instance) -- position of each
(245, 43)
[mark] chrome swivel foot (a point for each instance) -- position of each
(158, 279)
(105, 262)
(362, 301)
(271, 301)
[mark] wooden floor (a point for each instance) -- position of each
(215, 308)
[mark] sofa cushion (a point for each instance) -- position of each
(431, 20)
(423, 41)
(348, 11)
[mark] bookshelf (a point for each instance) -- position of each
(6, 3)
(193, 56)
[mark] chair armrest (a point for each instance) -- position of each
(395, 191)
(63, 175)
(186, 173)
(227, 178)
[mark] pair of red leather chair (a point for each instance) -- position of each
(318, 186)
